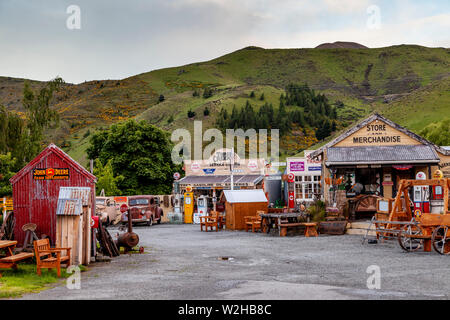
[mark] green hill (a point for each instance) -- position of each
(407, 83)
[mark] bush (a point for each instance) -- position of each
(191, 114)
(317, 211)
(206, 112)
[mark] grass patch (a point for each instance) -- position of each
(15, 283)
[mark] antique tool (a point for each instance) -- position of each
(129, 239)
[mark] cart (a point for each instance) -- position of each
(425, 230)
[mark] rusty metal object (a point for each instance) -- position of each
(128, 240)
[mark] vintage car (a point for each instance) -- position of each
(108, 211)
(144, 209)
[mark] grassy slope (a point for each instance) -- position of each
(358, 77)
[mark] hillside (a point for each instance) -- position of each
(399, 81)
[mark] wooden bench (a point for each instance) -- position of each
(310, 230)
(45, 256)
(10, 262)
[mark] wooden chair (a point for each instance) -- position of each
(209, 221)
(45, 258)
(253, 222)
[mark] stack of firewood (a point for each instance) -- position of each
(107, 245)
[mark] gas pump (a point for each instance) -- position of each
(202, 208)
(188, 205)
(421, 196)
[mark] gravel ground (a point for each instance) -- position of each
(180, 262)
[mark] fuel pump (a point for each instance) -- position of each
(188, 205)
(421, 196)
(202, 208)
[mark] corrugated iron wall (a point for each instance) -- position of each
(35, 201)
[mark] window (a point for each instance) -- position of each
(306, 187)
(137, 202)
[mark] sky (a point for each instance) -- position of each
(115, 39)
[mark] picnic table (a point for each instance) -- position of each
(11, 259)
(282, 221)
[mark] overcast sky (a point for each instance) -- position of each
(119, 38)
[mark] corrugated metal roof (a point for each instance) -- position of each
(381, 154)
(221, 180)
(69, 207)
(83, 193)
(245, 196)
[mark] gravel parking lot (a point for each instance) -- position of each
(180, 262)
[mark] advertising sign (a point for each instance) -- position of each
(296, 166)
(51, 174)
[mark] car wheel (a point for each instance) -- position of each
(150, 221)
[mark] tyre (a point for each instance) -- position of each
(150, 221)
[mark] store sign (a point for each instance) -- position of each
(377, 133)
(195, 166)
(296, 166)
(315, 168)
(51, 174)
(209, 171)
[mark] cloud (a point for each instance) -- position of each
(119, 38)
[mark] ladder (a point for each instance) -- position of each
(384, 233)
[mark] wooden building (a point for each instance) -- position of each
(372, 157)
(241, 203)
(36, 190)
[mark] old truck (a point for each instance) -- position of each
(144, 209)
(107, 209)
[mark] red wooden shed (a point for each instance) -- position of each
(36, 190)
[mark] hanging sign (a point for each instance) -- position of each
(51, 174)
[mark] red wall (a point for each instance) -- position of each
(35, 201)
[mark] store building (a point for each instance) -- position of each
(373, 156)
(208, 178)
(303, 186)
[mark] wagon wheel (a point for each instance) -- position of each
(441, 240)
(265, 226)
(410, 238)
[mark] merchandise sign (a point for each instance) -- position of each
(51, 174)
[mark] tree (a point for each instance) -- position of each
(438, 132)
(39, 116)
(191, 114)
(7, 164)
(106, 180)
(207, 93)
(139, 152)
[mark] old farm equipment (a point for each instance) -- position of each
(415, 229)
(129, 239)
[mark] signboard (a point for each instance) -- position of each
(315, 168)
(438, 174)
(219, 164)
(377, 133)
(51, 174)
(176, 176)
(296, 166)
(421, 176)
